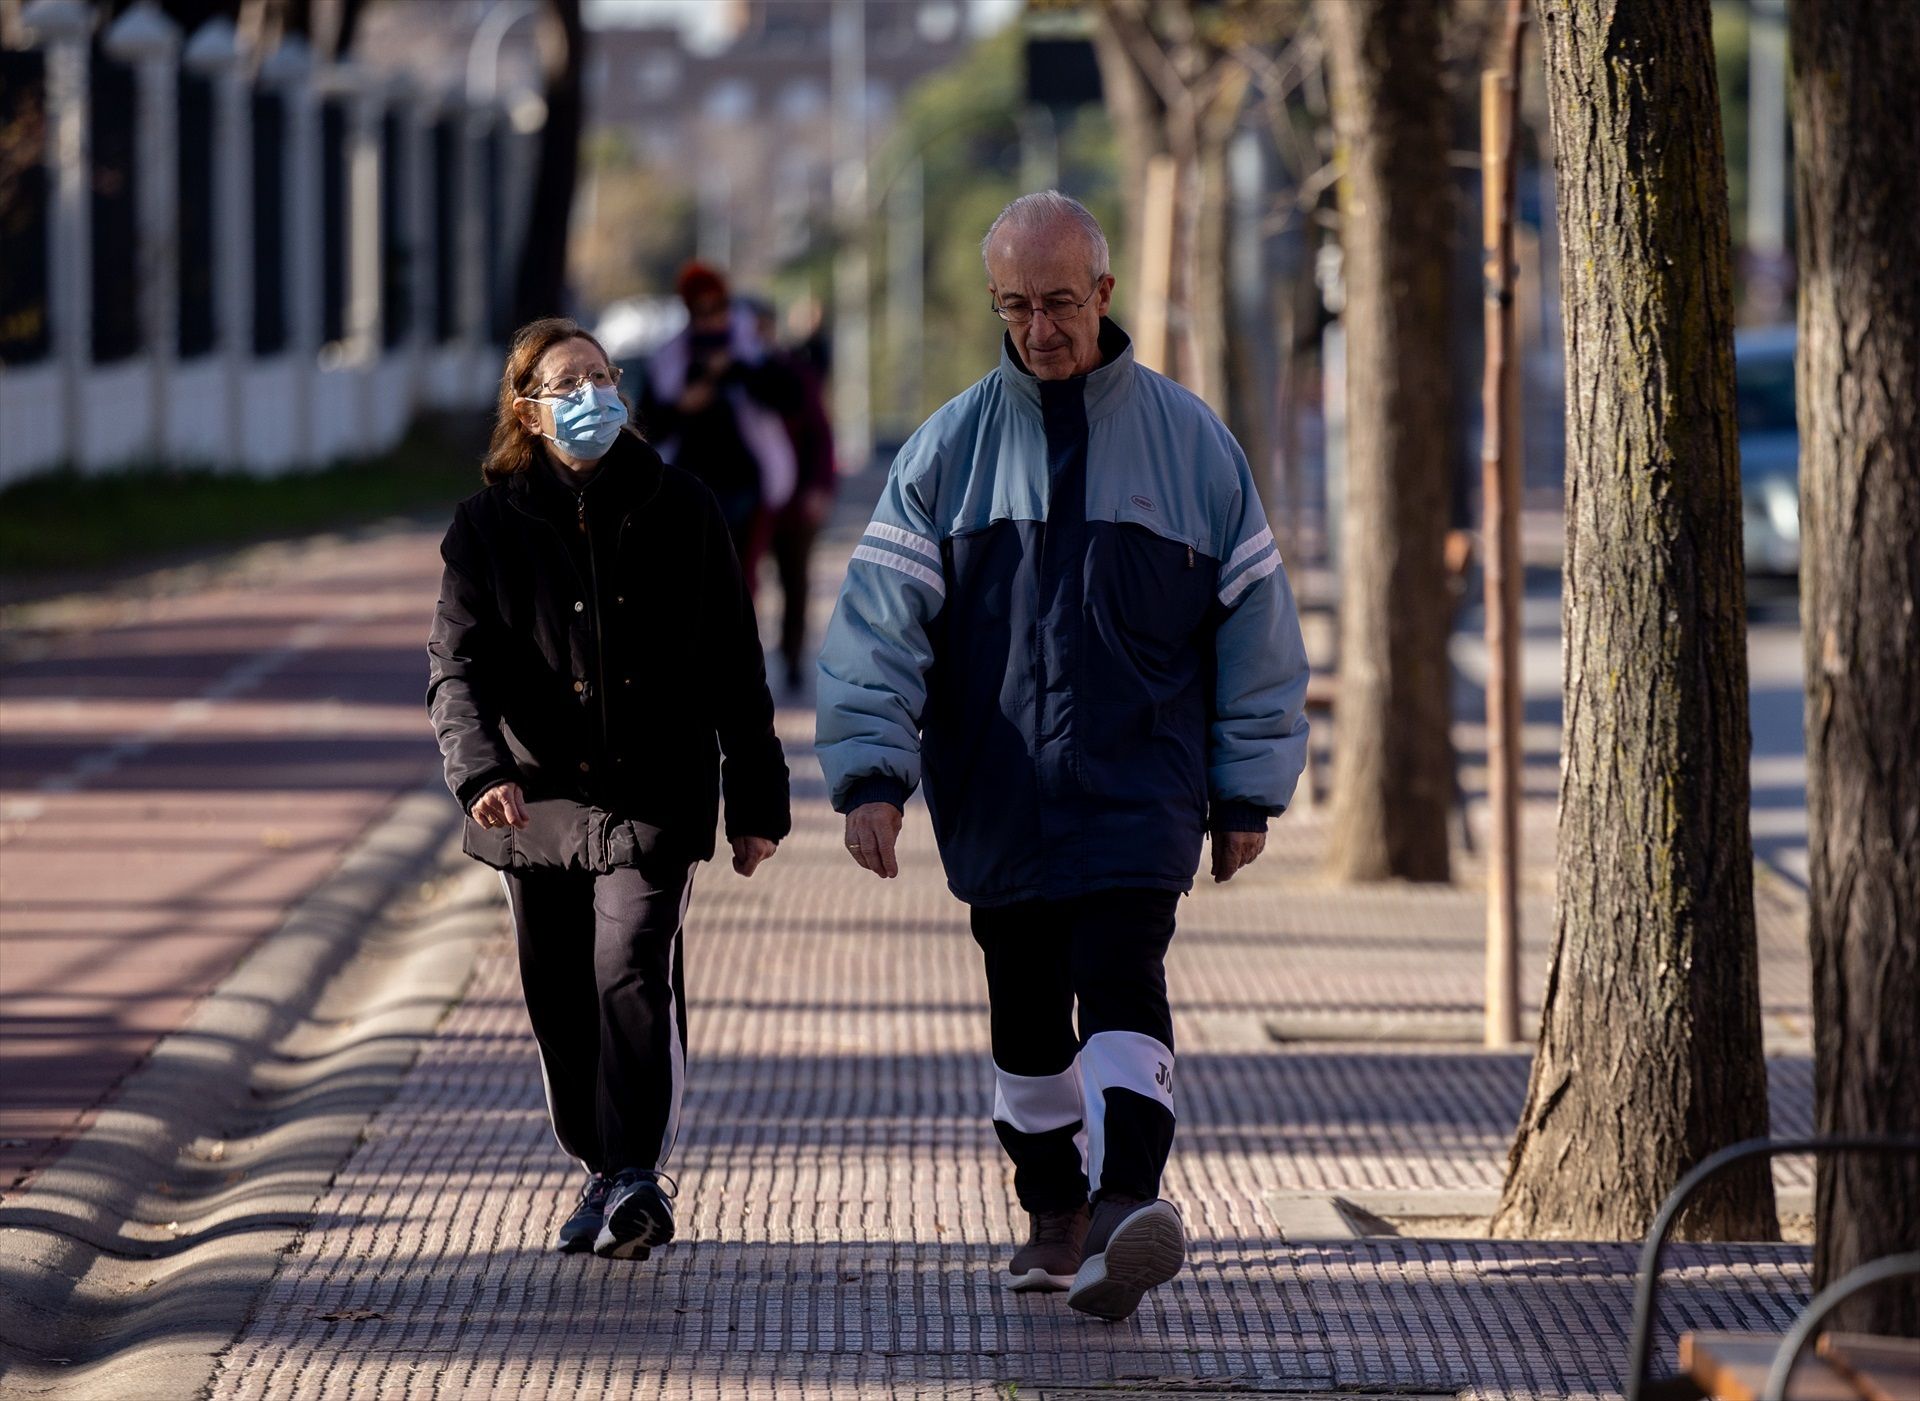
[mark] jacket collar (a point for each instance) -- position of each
(1106, 388)
(629, 476)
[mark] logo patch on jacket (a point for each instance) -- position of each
(1143, 503)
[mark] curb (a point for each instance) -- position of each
(1312, 1217)
(90, 1207)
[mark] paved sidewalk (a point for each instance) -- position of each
(845, 1206)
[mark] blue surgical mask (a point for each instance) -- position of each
(586, 422)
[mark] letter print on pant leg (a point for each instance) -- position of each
(1129, 1108)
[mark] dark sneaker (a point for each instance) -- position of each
(578, 1230)
(639, 1216)
(1132, 1246)
(1052, 1252)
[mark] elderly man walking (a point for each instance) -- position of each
(1069, 618)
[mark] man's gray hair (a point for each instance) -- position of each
(1031, 213)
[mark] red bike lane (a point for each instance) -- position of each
(177, 770)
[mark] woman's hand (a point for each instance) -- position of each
(749, 852)
(502, 805)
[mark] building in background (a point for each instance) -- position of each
(749, 124)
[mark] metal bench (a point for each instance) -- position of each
(1749, 1367)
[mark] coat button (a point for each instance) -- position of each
(585, 768)
(626, 681)
(619, 598)
(579, 687)
(579, 607)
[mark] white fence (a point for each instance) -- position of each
(340, 263)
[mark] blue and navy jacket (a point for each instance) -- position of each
(1068, 619)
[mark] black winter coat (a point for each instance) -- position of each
(599, 645)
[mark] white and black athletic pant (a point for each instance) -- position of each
(601, 967)
(1086, 1111)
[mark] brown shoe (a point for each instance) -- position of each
(1051, 1256)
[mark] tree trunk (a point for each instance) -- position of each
(1140, 128)
(1856, 70)
(539, 288)
(1393, 758)
(1203, 252)
(1650, 1053)
(1170, 92)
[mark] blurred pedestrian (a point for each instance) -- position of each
(716, 404)
(593, 655)
(1068, 612)
(797, 525)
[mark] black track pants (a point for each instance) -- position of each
(1092, 1108)
(600, 964)
(793, 554)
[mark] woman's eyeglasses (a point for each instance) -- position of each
(567, 386)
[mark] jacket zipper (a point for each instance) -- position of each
(589, 584)
(599, 632)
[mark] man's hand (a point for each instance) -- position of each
(502, 805)
(1234, 850)
(749, 852)
(695, 397)
(872, 830)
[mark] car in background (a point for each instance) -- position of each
(1769, 449)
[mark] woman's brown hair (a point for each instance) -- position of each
(512, 447)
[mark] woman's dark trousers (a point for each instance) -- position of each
(600, 964)
(1092, 1108)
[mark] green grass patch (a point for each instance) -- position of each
(66, 521)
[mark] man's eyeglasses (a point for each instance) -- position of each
(1055, 309)
(569, 385)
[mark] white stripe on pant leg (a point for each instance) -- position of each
(1037, 1103)
(1124, 1060)
(546, 1080)
(676, 1054)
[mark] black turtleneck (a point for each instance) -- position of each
(569, 499)
(1113, 340)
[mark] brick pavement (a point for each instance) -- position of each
(844, 1203)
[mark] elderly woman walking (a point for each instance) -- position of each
(593, 656)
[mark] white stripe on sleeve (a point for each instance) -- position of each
(1231, 593)
(906, 539)
(1247, 551)
(906, 566)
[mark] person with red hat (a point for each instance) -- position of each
(716, 404)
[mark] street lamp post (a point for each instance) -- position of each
(851, 390)
(1500, 508)
(483, 54)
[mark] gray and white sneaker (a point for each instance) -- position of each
(577, 1232)
(1132, 1246)
(639, 1215)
